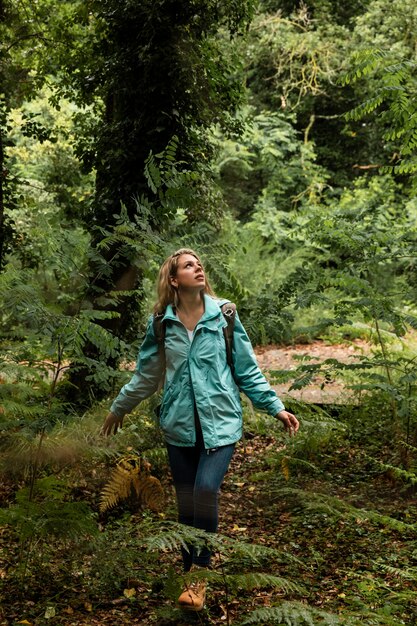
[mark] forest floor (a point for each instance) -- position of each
(274, 357)
(345, 562)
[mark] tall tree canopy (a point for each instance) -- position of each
(151, 71)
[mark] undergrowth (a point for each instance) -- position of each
(315, 529)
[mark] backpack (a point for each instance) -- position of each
(229, 313)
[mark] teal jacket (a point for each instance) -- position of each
(197, 374)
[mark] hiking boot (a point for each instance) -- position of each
(194, 595)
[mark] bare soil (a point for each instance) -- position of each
(321, 391)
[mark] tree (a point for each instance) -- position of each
(24, 38)
(151, 71)
(9, 84)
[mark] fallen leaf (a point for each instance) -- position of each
(238, 529)
(50, 612)
(129, 593)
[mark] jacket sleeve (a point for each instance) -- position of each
(248, 376)
(144, 382)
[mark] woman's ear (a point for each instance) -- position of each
(174, 282)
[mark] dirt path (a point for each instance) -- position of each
(288, 358)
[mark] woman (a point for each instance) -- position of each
(201, 414)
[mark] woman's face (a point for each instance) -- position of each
(190, 274)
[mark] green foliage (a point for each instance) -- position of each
(39, 342)
(294, 614)
(160, 72)
(145, 83)
(382, 72)
(298, 56)
(43, 511)
(394, 96)
(403, 476)
(268, 172)
(335, 508)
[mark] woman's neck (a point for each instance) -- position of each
(190, 302)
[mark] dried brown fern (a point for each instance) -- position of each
(132, 474)
(150, 492)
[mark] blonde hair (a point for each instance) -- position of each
(167, 294)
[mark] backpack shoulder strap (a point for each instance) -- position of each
(159, 329)
(159, 332)
(229, 313)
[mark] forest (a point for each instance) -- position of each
(278, 138)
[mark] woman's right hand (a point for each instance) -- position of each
(112, 422)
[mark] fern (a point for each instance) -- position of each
(256, 553)
(337, 508)
(408, 447)
(172, 536)
(294, 614)
(403, 475)
(261, 580)
(298, 614)
(409, 573)
(45, 511)
(132, 473)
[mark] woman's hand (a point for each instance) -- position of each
(111, 422)
(291, 423)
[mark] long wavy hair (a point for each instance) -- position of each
(167, 293)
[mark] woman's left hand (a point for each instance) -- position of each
(291, 423)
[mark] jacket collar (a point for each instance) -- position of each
(212, 316)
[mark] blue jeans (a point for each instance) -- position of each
(198, 475)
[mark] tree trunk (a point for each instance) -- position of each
(2, 168)
(2, 177)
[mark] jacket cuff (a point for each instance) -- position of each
(276, 407)
(117, 412)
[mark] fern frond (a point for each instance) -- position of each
(149, 491)
(335, 507)
(117, 489)
(293, 614)
(261, 580)
(409, 573)
(411, 320)
(396, 472)
(409, 447)
(173, 535)
(45, 513)
(132, 474)
(256, 552)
